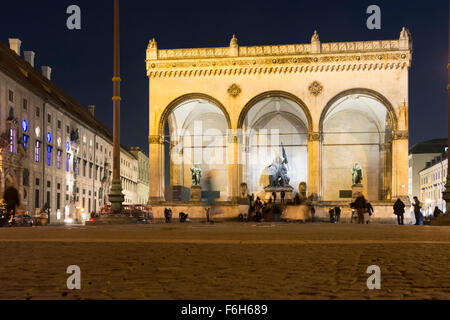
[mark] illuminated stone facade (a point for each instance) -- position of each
(333, 104)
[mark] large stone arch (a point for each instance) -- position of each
(275, 93)
(351, 142)
(186, 97)
(174, 174)
(374, 94)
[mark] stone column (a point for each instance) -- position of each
(314, 165)
(233, 168)
(156, 168)
(400, 150)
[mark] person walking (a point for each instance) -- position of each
(360, 206)
(12, 200)
(399, 210)
(369, 212)
(417, 206)
(337, 214)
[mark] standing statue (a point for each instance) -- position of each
(357, 174)
(196, 175)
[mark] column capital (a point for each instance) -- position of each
(314, 136)
(400, 135)
(155, 139)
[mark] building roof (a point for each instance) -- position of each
(430, 146)
(20, 70)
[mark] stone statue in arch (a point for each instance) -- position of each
(357, 174)
(196, 176)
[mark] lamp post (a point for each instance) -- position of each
(116, 196)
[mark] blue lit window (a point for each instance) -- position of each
(49, 137)
(68, 162)
(24, 126)
(49, 155)
(25, 140)
(68, 146)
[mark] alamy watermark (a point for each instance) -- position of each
(74, 20)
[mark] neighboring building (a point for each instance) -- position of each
(143, 176)
(432, 183)
(51, 148)
(419, 155)
(129, 176)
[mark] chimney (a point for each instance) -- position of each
(92, 110)
(47, 72)
(29, 57)
(14, 44)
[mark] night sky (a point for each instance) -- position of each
(82, 61)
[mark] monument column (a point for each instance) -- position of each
(116, 196)
(400, 152)
(156, 168)
(314, 171)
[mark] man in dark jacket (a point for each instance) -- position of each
(12, 200)
(360, 206)
(399, 210)
(417, 206)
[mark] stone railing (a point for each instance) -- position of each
(277, 50)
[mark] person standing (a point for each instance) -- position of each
(12, 200)
(417, 206)
(399, 210)
(360, 206)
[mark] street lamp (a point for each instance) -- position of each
(116, 196)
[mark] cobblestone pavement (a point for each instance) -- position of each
(226, 261)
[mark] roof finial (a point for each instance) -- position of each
(315, 36)
(234, 41)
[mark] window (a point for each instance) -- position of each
(78, 166)
(58, 159)
(49, 118)
(90, 170)
(59, 124)
(12, 140)
(25, 104)
(37, 181)
(84, 168)
(36, 198)
(11, 96)
(49, 155)
(67, 129)
(37, 151)
(26, 178)
(38, 112)
(68, 165)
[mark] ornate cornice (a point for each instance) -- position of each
(278, 65)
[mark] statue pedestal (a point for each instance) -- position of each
(196, 194)
(278, 190)
(357, 189)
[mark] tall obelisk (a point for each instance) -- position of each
(116, 196)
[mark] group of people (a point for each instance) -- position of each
(363, 208)
(399, 210)
(259, 210)
(168, 214)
